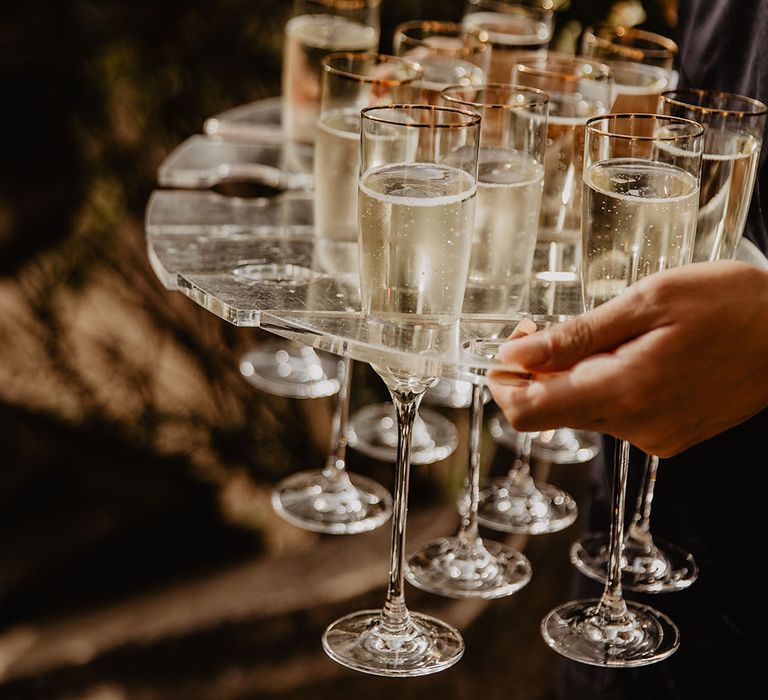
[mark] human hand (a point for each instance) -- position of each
(677, 358)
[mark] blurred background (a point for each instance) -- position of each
(139, 556)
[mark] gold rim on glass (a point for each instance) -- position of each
(379, 59)
(538, 97)
(667, 49)
(760, 108)
(472, 118)
(450, 29)
(696, 128)
(348, 4)
(526, 63)
(546, 6)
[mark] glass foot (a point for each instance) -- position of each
(288, 369)
(456, 568)
(338, 506)
(660, 568)
(579, 631)
(373, 431)
(560, 446)
(508, 506)
(363, 642)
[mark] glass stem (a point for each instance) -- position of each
(520, 473)
(468, 530)
(335, 465)
(640, 527)
(395, 617)
(612, 602)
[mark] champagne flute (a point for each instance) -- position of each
(510, 26)
(629, 44)
(416, 215)
(315, 28)
(510, 174)
(448, 54)
(578, 88)
(641, 193)
(331, 500)
(734, 129)
(636, 86)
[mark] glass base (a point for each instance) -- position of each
(373, 431)
(455, 568)
(360, 641)
(560, 446)
(288, 369)
(578, 631)
(508, 507)
(337, 506)
(660, 568)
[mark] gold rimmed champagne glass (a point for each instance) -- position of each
(733, 135)
(416, 208)
(641, 193)
(510, 27)
(509, 184)
(629, 44)
(331, 500)
(449, 53)
(315, 29)
(578, 88)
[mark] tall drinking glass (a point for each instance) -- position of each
(629, 44)
(636, 86)
(317, 28)
(578, 88)
(641, 193)
(509, 184)
(449, 53)
(734, 132)
(510, 27)
(733, 135)
(331, 500)
(351, 82)
(416, 207)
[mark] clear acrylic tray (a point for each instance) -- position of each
(256, 262)
(259, 121)
(207, 161)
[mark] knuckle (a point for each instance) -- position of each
(575, 337)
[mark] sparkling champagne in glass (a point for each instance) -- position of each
(415, 236)
(449, 54)
(641, 178)
(578, 88)
(733, 134)
(510, 173)
(734, 131)
(317, 28)
(351, 82)
(510, 27)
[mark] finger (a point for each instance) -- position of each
(581, 398)
(601, 330)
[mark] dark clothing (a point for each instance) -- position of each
(708, 498)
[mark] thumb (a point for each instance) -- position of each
(561, 346)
